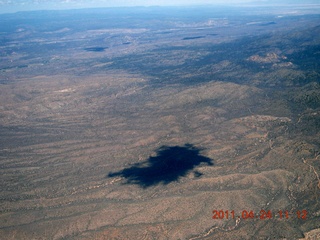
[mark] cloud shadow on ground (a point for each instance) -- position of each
(169, 164)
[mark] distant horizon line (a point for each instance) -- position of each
(165, 6)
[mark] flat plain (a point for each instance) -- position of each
(140, 123)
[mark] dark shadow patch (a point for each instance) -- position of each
(267, 23)
(170, 164)
(166, 32)
(95, 49)
(4, 81)
(190, 38)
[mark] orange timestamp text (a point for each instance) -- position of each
(262, 214)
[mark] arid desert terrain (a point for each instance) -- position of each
(160, 123)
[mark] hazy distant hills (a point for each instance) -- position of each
(289, 2)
